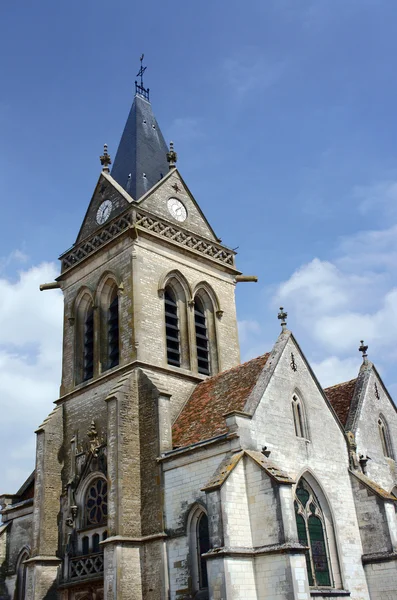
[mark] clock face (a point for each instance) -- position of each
(104, 212)
(176, 209)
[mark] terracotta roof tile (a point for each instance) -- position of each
(203, 415)
(340, 396)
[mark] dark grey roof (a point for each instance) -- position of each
(141, 159)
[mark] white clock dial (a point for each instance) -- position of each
(104, 211)
(176, 209)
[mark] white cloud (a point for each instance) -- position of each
(30, 358)
(379, 195)
(333, 370)
(336, 303)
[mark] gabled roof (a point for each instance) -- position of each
(341, 396)
(141, 158)
(230, 462)
(372, 486)
(203, 416)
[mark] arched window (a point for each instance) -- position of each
(312, 533)
(85, 544)
(385, 437)
(113, 331)
(20, 588)
(199, 545)
(203, 545)
(96, 503)
(205, 330)
(84, 347)
(88, 345)
(202, 342)
(299, 418)
(172, 328)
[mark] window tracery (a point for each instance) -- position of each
(96, 503)
(312, 533)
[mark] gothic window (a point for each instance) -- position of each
(299, 418)
(202, 342)
(84, 341)
(96, 503)
(85, 542)
(20, 588)
(95, 543)
(88, 345)
(311, 527)
(172, 328)
(203, 545)
(385, 437)
(199, 545)
(113, 332)
(205, 331)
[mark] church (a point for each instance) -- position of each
(167, 469)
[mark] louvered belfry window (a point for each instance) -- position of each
(88, 350)
(113, 333)
(172, 328)
(202, 342)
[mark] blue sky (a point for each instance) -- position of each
(283, 116)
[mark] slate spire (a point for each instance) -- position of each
(141, 158)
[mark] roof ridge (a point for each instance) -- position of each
(330, 387)
(213, 377)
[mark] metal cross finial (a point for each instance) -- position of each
(139, 87)
(105, 159)
(282, 316)
(141, 70)
(172, 156)
(363, 349)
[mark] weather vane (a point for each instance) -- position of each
(139, 88)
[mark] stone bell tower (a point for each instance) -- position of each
(149, 312)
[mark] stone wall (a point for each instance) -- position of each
(380, 469)
(382, 577)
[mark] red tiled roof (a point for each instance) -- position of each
(203, 415)
(340, 396)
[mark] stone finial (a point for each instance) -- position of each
(92, 435)
(105, 159)
(282, 316)
(363, 349)
(172, 156)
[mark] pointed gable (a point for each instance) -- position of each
(341, 396)
(141, 158)
(203, 416)
(106, 189)
(173, 186)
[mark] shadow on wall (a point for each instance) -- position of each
(4, 595)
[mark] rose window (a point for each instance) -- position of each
(97, 503)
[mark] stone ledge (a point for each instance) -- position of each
(288, 548)
(42, 559)
(377, 557)
(137, 541)
(329, 593)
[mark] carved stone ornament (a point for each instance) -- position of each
(351, 441)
